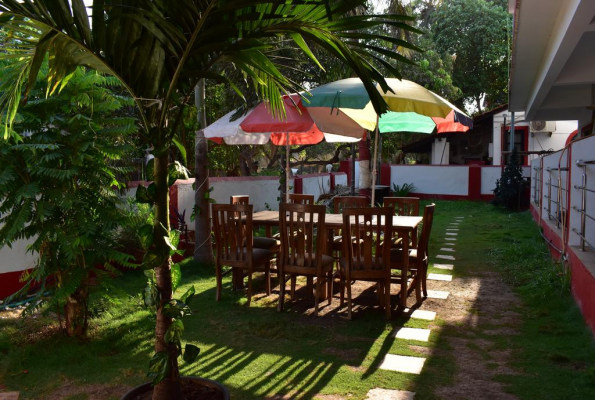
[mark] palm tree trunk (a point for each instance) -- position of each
(203, 249)
(170, 387)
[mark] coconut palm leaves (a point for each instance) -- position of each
(160, 48)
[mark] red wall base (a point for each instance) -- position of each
(9, 283)
(582, 282)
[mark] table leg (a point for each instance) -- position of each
(268, 231)
(403, 294)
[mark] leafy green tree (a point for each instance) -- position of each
(159, 51)
(57, 180)
(476, 34)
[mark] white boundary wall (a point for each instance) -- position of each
(429, 179)
(16, 258)
(489, 176)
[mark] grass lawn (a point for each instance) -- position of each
(258, 353)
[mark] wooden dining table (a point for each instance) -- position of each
(404, 226)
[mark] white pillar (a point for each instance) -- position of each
(440, 152)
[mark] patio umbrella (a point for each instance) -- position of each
(416, 123)
(295, 127)
(349, 97)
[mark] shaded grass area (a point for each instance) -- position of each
(554, 352)
(257, 352)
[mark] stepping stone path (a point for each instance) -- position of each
(15, 396)
(410, 365)
(413, 334)
(421, 314)
(414, 365)
(437, 294)
(439, 277)
(386, 394)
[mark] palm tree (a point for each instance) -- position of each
(159, 50)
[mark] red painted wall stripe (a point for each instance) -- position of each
(474, 190)
(10, 283)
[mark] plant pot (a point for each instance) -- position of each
(146, 388)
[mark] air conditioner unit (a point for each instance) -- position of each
(543, 126)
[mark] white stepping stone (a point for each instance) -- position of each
(439, 277)
(452, 229)
(452, 233)
(454, 223)
(421, 335)
(447, 249)
(438, 294)
(387, 394)
(451, 239)
(410, 365)
(444, 266)
(443, 257)
(421, 314)
(459, 217)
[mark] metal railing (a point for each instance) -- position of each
(583, 210)
(537, 185)
(558, 200)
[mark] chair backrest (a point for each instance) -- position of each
(297, 228)
(232, 226)
(404, 206)
(301, 198)
(241, 199)
(341, 202)
(424, 240)
(364, 230)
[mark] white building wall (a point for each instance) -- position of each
(440, 180)
(440, 152)
(551, 176)
(582, 150)
(537, 141)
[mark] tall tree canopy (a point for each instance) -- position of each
(476, 34)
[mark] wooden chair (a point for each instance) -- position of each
(301, 198)
(302, 250)
(233, 237)
(418, 257)
(365, 258)
(339, 204)
(403, 206)
(258, 242)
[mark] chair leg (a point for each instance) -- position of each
(387, 297)
(293, 283)
(281, 276)
(342, 288)
(249, 287)
(348, 282)
(330, 287)
(219, 282)
(418, 280)
(424, 276)
(317, 297)
(267, 277)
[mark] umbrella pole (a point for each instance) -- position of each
(287, 171)
(353, 169)
(376, 134)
